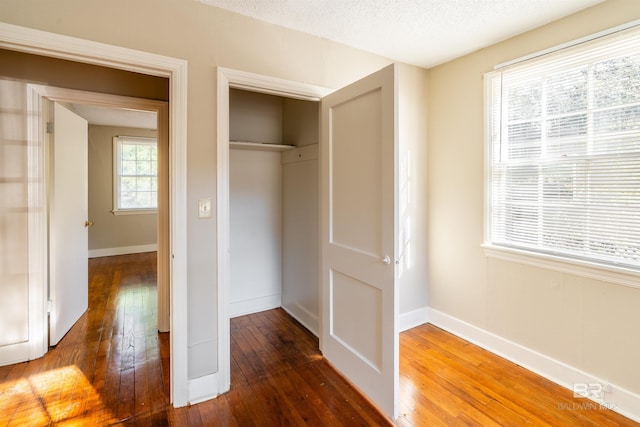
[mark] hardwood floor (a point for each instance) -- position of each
(279, 377)
(445, 381)
(111, 365)
(112, 368)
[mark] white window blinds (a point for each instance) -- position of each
(564, 152)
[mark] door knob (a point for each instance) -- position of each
(88, 223)
(386, 260)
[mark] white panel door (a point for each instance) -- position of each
(359, 227)
(68, 210)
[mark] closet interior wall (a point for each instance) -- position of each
(274, 205)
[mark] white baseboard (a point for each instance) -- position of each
(122, 250)
(413, 318)
(615, 398)
(254, 305)
(202, 389)
(304, 316)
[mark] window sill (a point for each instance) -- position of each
(134, 211)
(591, 270)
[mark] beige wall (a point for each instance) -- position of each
(113, 231)
(300, 122)
(206, 37)
(412, 200)
(255, 227)
(255, 117)
(269, 119)
(582, 322)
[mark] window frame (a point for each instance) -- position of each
(594, 269)
(117, 142)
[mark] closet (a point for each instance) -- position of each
(273, 197)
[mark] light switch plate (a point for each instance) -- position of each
(204, 208)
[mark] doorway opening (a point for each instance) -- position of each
(357, 255)
(240, 94)
(273, 190)
(82, 191)
(111, 103)
(21, 39)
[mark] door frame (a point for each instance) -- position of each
(22, 39)
(228, 79)
(37, 134)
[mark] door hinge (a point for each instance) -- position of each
(49, 127)
(49, 306)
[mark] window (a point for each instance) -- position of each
(563, 152)
(135, 174)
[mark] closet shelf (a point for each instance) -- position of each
(243, 145)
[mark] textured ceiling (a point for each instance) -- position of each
(420, 32)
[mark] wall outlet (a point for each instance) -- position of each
(204, 208)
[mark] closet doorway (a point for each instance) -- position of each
(273, 197)
(267, 202)
(358, 252)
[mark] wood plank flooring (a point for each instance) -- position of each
(112, 368)
(279, 378)
(446, 381)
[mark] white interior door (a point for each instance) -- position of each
(359, 227)
(68, 210)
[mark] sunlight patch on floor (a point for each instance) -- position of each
(60, 396)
